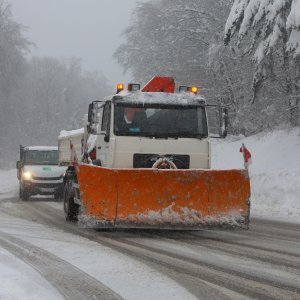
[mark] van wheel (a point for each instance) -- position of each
(24, 195)
(71, 209)
(58, 196)
(20, 193)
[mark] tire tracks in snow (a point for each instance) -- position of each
(193, 274)
(252, 242)
(238, 249)
(225, 271)
(170, 264)
(70, 281)
(46, 215)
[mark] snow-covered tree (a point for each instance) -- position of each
(13, 46)
(40, 96)
(275, 40)
(273, 20)
(171, 37)
(184, 39)
(57, 93)
(52, 95)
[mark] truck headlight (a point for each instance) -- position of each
(27, 176)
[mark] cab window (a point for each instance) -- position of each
(106, 117)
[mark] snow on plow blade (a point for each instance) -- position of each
(152, 198)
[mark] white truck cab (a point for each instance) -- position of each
(135, 130)
(39, 173)
(138, 129)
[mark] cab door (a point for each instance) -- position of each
(105, 145)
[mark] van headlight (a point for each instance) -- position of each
(27, 175)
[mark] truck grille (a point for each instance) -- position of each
(46, 178)
(47, 185)
(147, 160)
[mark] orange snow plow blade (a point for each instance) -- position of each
(151, 198)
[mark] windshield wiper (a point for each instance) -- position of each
(181, 134)
(164, 135)
(188, 134)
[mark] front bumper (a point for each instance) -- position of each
(43, 188)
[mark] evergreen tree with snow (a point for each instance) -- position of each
(275, 39)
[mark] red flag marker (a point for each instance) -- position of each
(247, 156)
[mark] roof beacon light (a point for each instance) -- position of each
(188, 89)
(120, 87)
(193, 89)
(133, 87)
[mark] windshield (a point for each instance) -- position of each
(37, 157)
(170, 121)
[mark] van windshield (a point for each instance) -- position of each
(161, 122)
(37, 157)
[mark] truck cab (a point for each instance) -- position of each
(153, 127)
(38, 172)
(137, 130)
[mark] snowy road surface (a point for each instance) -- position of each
(43, 257)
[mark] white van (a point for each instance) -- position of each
(39, 173)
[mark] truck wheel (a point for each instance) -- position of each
(71, 209)
(97, 162)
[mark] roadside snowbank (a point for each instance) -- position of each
(274, 173)
(8, 184)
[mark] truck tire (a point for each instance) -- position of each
(97, 162)
(71, 209)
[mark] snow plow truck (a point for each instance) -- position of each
(142, 160)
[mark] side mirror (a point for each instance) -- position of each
(106, 119)
(18, 165)
(90, 113)
(223, 122)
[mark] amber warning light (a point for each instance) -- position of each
(120, 87)
(190, 89)
(193, 89)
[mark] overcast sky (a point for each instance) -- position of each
(89, 29)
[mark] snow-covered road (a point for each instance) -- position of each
(45, 257)
(76, 266)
